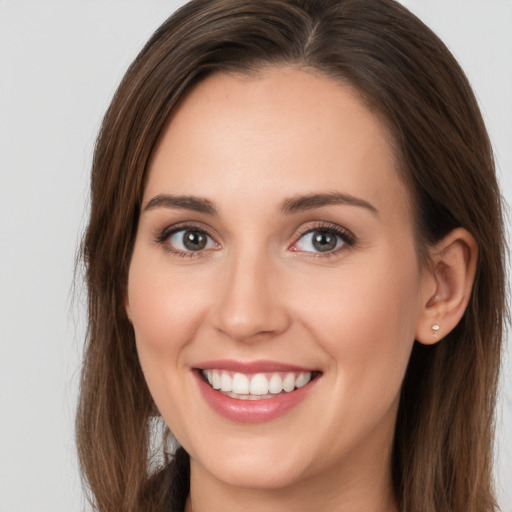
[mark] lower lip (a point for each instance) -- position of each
(252, 411)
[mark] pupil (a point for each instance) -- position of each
(194, 240)
(324, 241)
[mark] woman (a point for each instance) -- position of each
(295, 264)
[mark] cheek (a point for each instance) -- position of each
(165, 309)
(365, 320)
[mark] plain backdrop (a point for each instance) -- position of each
(60, 62)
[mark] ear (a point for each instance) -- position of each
(447, 285)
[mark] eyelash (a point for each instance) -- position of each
(347, 237)
(167, 232)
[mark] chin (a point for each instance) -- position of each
(254, 471)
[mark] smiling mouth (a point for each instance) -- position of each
(257, 386)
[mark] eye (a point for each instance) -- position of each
(322, 240)
(189, 240)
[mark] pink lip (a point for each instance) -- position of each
(251, 411)
(250, 367)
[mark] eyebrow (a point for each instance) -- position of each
(309, 202)
(196, 204)
(289, 206)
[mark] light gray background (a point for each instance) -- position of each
(60, 62)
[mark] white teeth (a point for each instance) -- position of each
(302, 380)
(289, 382)
(249, 397)
(275, 384)
(240, 384)
(259, 386)
(225, 382)
(215, 378)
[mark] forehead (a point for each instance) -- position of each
(282, 131)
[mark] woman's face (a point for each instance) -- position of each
(275, 249)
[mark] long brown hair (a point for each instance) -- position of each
(442, 451)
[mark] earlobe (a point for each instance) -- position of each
(451, 276)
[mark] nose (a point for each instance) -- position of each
(250, 304)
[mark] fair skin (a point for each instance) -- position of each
(259, 288)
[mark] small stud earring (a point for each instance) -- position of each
(435, 329)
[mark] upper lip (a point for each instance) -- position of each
(260, 366)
